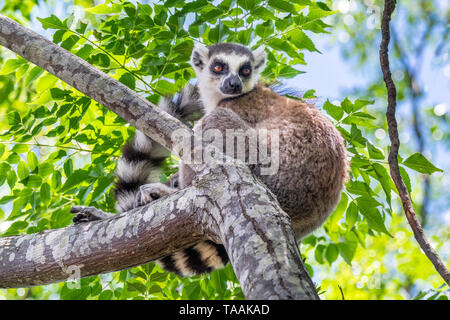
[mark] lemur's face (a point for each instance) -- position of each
(227, 69)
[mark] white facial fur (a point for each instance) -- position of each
(209, 84)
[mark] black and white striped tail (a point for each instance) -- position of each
(201, 258)
(142, 157)
(140, 163)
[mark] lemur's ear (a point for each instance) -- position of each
(260, 56)
(199, 56)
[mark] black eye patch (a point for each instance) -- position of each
(245, 70)
(219, 67)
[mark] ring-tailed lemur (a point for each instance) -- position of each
(312, 157)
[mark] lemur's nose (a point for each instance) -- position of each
(234, 83)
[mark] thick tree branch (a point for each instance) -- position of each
(225, 203)
(124, 241)
(389, 7)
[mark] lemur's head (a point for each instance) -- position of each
(226, 70)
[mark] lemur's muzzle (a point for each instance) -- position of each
(232, 85)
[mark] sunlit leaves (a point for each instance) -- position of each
(362, 203)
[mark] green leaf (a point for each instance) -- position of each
(336, 112)
(22, 170)
(336, 216)
(385, 180)
(301, 40)
(194, 6)
(374, 152)
(105, 295)
(16, 227)
(367, 207)
(405, 178)
(347, 250)
(361, 103)
(11, 179)
(420, 164)
(32, 160)
(85, 51)
(45, 193)
(105, 9)
(33, 74)
(135, 285)
(166, 87)
(14, 118)
(347, 105)
(282, 5)
(263, 13)
(45, 169)
(58, 94)
(11, 65)
(103, 185)
(52, 22)
(359, 187)
(128, 80)
(68, 167)
(309, 94)
(20, 148)
(158, 276)
(351, 215)
(75, 179)
(318, 253)
(45, 82)
(289, 72)
(332, 253)
(6, 199)
(34, 181)
(356, 137)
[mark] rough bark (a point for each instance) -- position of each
(389, 7)
(225, 203)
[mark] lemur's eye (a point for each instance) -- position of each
(218, 68)
(245, 71)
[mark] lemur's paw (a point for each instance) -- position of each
(151, 192)
(86, 214)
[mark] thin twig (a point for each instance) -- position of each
(389, 7)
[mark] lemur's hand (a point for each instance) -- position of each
(86, 214)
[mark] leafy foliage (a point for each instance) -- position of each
(58, 148)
